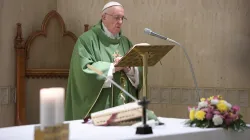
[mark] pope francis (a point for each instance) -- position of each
(102, 46)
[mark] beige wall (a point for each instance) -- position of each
(215, 34)
(30, 13)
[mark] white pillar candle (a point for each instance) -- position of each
(47, 108)
(51, 106)
(60, 92)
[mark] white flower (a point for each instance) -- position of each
(229, 106)
(217, 120)
(202, 104)
(214, 101)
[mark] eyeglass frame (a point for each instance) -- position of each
(116, 17)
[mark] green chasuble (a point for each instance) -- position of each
(85, 93)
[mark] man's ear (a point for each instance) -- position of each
(103, 17)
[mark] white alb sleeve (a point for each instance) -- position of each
(133, 76)
(107, 83)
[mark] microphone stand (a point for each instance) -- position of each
(148, 31)
(190, 64)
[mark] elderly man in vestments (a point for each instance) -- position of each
(102, 46)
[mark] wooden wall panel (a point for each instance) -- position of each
(30, 13)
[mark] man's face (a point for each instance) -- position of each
(113, 19)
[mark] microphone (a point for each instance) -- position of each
(150, 32)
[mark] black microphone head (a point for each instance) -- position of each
(147, 31)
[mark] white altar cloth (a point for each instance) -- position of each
(173, 129)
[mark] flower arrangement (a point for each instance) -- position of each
(215, 112)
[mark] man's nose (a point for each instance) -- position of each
(120, 21)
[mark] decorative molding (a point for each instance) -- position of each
(187, 96)
(4, 95)
(20, 77)
(43, 31)
(47, 73)
(7, 95)
(19, 37)
(22, 55)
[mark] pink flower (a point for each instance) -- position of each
(208, 110)
(191, 108)
(228, 121)
(234, 116)
(216, 97)
(205, 109)
(212, 107)
(236, 109)
(226, 114)
(209, 116)
(216, 112)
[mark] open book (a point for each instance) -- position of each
(126, 114)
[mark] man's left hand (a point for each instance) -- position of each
(126, 69)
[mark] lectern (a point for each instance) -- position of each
(144, 55)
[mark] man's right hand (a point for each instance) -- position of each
(115, 62)
(118, 69)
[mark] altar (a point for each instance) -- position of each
(174, 129)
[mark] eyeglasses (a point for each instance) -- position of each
(116, 17)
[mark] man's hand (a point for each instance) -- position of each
(126, 69)
(118, 69)
(116, 60)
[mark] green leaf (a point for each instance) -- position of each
(198, 124)
(237, 126)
